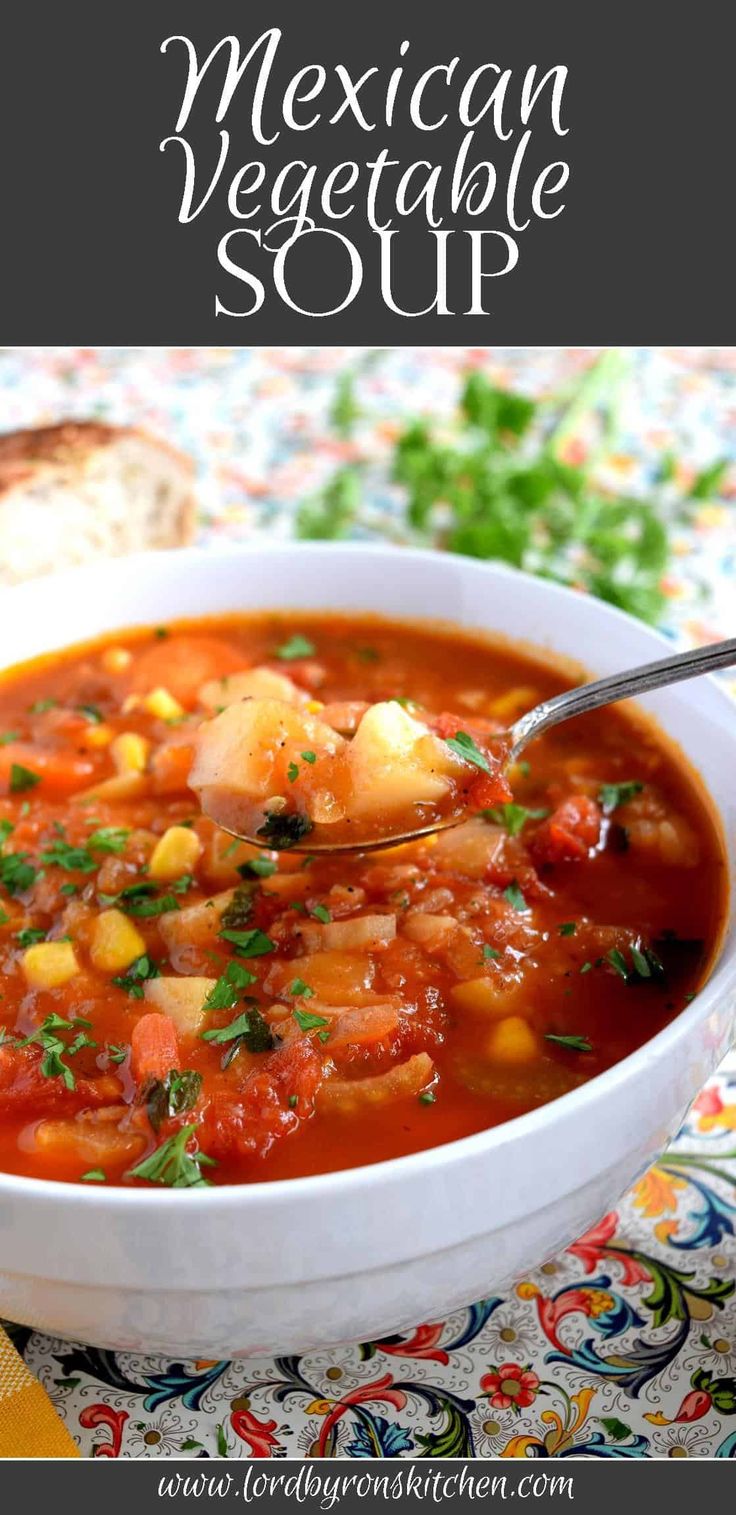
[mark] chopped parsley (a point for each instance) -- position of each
(463, 744)
(173, 1095)
(309, 757)
(249, 1030)
(39, 707)
(321, 913)
(4, 917)
(22, 778)
(172, 1165)
(490, 952)
(94, 1176)
(257, 867)
(284, 831)
(91, 713)
(427, 1097)
(586, 968)
(224, 994)
(60, 854)
(512, 817)
(16, 873)
(610, 796)
(47, 1037)
(136, 900)
(292, 772)
(644, 964)
(308, 1022)
(253, 943)
(570, 1043)
(110, 839)
(297, 646)
(133, 979)
(9, 736)
(116, 1054)
(515, 897)
(240, 909)
(29, 936)
(567, 928)
(300, 990)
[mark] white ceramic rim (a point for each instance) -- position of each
(275, 1192)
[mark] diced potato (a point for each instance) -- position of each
(47, 965)
(180, 998)
(90, 1138)
(338, 978)
(670, 840)
(253, 684)
(129, 752)
(494, 996)
(175, 853)
(512, 1040)
(193, 930)
(364, 933)
(394, 761)
(369, 1024)
(244, 751)
(469, 849)
(162, 705)
(116, 942)
(430, 931)
(349, 1096)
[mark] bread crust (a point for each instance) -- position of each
(68, 445)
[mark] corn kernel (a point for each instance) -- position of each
(130, 752)
(163, 705)
(97, 736)
(116, 659)
(116, 942)
(176, 852)
(49, 964)
(512, 1041)
(314, 705)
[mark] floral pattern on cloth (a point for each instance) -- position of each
(625, 1344)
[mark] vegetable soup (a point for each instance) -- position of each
(182, 1008)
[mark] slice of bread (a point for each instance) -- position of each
(81, 490)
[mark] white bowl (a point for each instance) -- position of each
(289, 1266)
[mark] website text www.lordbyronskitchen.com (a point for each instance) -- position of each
(325, 1491)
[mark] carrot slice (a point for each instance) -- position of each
(62, 771)
(154, 1047)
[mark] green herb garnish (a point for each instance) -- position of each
(427, 1097)
(132, 981)
(240, 909)
(321, 913)
(253, 943)
(297, 646)
(109, 839)
(258, 867)
(172, 1165)
(29, 936)
(465, 747)
(172, 1095)
(300, 990)
(570, 1043)
(610, 796)
(292, 772)
(21, 778)
(224, 994)
(249, 1029)
(515, 897)
(308, 1022)
(39, 707)
(309, 757)
(94, 1176)
(91, 713)
(282, 831)
(7, 737)
(60, 854)
(512, 817)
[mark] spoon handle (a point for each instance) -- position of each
(620, 686)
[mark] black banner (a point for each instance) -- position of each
(319, 1486)
(541, 172)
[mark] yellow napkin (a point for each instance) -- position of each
(29, 1424)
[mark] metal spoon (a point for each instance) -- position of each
(562, 707)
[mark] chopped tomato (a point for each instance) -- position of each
(267, 1105)
(569, 833)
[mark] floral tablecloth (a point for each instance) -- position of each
(625, 1345)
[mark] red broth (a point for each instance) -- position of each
(183, 1009)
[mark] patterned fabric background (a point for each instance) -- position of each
(625, 1345)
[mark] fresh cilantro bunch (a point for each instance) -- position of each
(500, 485)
